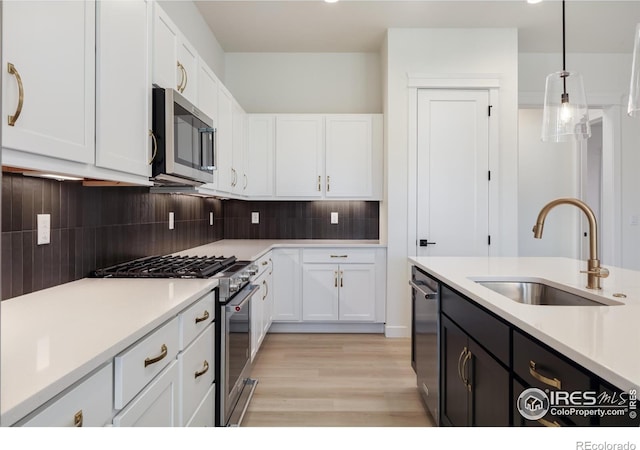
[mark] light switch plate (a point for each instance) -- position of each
(334, 218)
(44, 229)
(211, 218)
(255, 217)
(171, 221)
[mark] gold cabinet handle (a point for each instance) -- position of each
(266, 286)
(155, 146)
(465, 379)
(463, 353)
(246, 181)
(78, 419)
(328, 183)
(161, 356)
(553, 382)
(13, 71)
(335, 279)
(339, 256)
(341, 278)
(271, 270)
(179, 87)
(548, 423)
(186, 78)
(319, 183)
(204, 317)
(205, 369)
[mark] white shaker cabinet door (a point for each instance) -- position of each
(123, 94)
(320, 292)
(187, 70)
(48, 87)
(357, 292)
(287, 285)
(259, 154)
(227, 177)
(208, 91)
(299, 155)
(165, 50)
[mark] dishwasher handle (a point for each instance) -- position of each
(432, 295)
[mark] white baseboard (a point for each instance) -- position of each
(300, 327)
(391, 331)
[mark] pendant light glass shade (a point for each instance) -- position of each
(634, 92)
(566, 114)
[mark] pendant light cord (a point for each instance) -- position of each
(564, 58)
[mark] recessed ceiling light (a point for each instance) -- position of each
(533, 2)
(331, 1)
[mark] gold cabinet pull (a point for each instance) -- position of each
(246, 181)
(466, 359)
(155, 146)
(78, 419)
(335, 279)
(338, 256)
(271, 270)
(204, 317)
(328, 183)
(264, 263)
(13, 71)
(205, 369)
(161, 356)
(266, 286)
(319, 183)
(463, 353)
(341, 278)
(553, 382)
(186, 78)
(183, 72)
(548, 423)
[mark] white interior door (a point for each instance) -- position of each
(453, 173)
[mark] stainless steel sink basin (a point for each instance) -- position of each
(536, 293)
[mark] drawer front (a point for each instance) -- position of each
(136, 366)
(87, 404)
(197, 368)
(479, 324)
(264, 263)
(550, 370)
(204, 415)
(196, 318)
(157, 404)
(548, 420)
(338, 255)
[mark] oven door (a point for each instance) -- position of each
(236, 357)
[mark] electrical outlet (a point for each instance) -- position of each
(634, 220)
(334, 218)
(211, 218)
(255, 217)
(171, 221)
(44, 229)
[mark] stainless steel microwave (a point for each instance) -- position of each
(185, 141)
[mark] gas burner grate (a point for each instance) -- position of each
(167, 267)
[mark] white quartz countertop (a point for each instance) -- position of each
(603, 339)
(252, 249)
(54, 337)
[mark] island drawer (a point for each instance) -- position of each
(196, 318)
(492, 333)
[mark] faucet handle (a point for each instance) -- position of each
(600, 272)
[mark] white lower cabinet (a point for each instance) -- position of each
(287, 285)
(205, 415)
(197, 369)
(86, 404)
(157, 405)
(261, 310)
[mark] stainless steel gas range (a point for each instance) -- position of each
(234, 387)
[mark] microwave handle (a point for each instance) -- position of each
(214, 137)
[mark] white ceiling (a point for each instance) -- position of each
(359, 25)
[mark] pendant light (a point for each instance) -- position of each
(565, 116)
(634, 92)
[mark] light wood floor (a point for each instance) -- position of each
(334, 380)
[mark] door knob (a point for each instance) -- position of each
(425, 242)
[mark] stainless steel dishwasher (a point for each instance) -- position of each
(425, 354)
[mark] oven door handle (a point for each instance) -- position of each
(238, 302)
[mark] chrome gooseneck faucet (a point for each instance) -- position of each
(594, 271)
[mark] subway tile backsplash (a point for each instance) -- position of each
(93, 227)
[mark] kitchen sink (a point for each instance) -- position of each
(538, 293)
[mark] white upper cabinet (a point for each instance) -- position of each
(208, 91)
(187, 70)
(259, 154)
(241, 180)
(224, 152)
(123, 95)
(299, 151)
(48, 89)
(349, 156)
(165, 50)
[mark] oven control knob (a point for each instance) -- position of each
(233, 287)
(244, 276)
(252, 270)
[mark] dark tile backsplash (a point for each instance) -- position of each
(93, 227)
(301, 220)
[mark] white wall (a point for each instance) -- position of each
(440, 52)
(606, 78)
(546, 171)
(305, 82)
(188, 19)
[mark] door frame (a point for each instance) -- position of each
(612, 105)
(488, 82)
